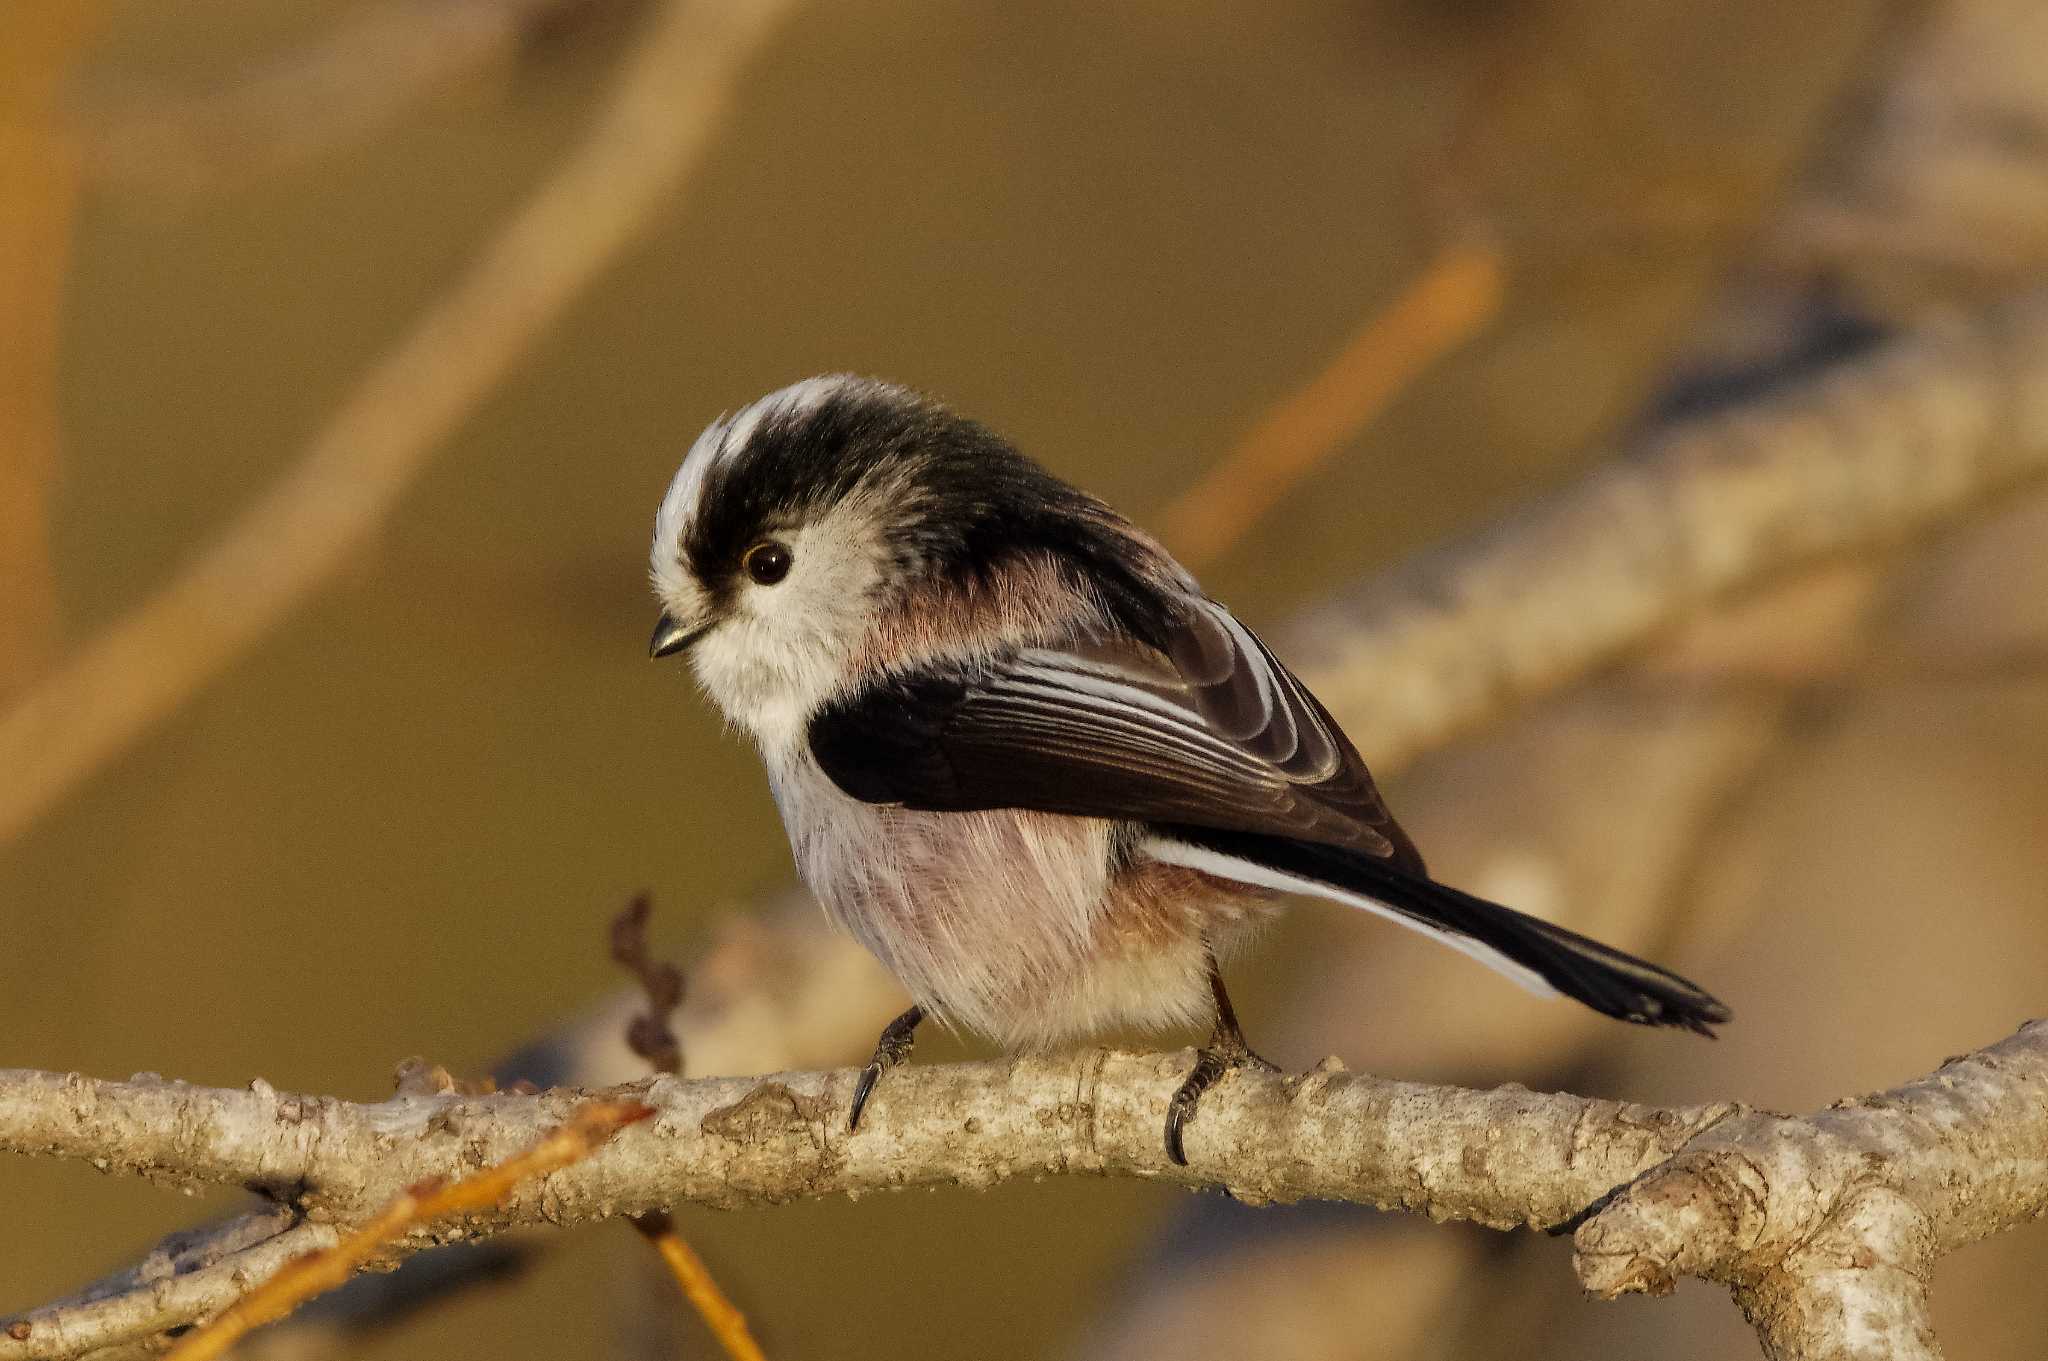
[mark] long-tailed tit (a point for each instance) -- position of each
(1020, 755)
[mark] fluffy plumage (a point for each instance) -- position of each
(1019, 755)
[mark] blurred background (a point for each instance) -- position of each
(1121, 234)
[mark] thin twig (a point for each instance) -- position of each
(1444, 307)
(644, 143)
(651, 1035)
(700, 1288)
(304, 1277)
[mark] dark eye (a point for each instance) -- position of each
(767, 562)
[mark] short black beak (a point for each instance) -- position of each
(670, 637)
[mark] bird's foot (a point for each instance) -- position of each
(891, 1049)
(1225, 1051)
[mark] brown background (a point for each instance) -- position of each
(1117, 233)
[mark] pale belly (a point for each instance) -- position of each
(1022, 926)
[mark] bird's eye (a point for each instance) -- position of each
(767, 562)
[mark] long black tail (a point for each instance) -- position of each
(1603, 978)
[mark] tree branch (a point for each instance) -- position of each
(1817, 1222)
(737, 1142)
(1878, 448)
(201, 1290)
(1828, 1228)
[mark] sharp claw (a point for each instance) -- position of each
(869, 1076)
(1226, 1050)
(1209, 1065)
(890, 1050)
(1174, 1151)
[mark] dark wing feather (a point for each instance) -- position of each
(1215, 732)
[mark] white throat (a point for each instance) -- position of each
(786, 649)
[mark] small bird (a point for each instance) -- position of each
(1020, 755)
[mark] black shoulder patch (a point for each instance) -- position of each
(902, 761)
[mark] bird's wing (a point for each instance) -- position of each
(1213, 731)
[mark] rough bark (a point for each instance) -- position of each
(1826, 1226)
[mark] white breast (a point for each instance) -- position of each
(989, 918)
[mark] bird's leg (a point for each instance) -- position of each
(894, 1047)
(1226, 1050)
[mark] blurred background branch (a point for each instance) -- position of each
(663, 114)
(378, 64)
(1453, 299)
(40, 43)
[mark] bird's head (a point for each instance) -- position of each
(840, 522)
